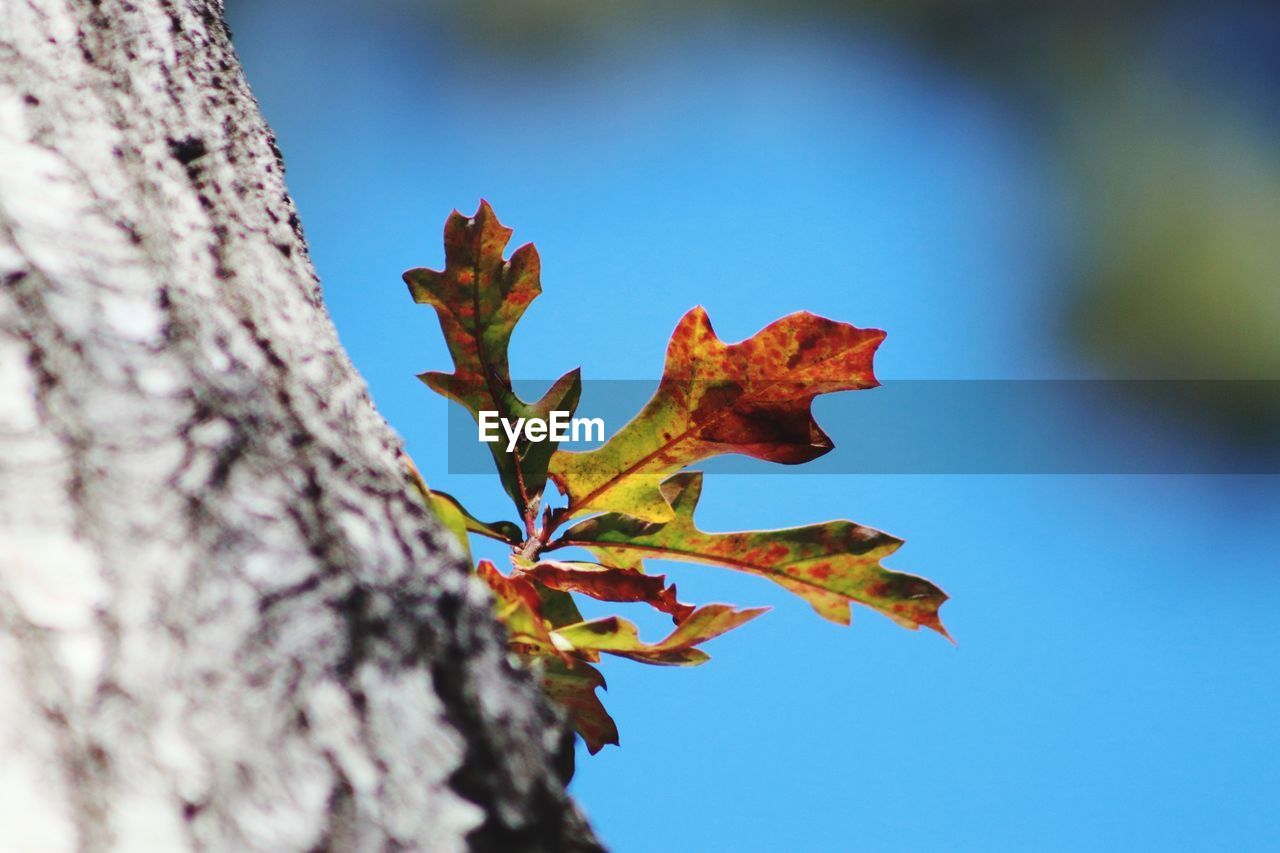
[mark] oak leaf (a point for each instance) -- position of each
(751, 397)
(617, 636)
(479, 298)
(830, 564)
(573, 687)
(519, 608)
(607, 583)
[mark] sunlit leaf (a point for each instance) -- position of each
(829, 564)
(606, 583)
(751, 397)
(452, 516)
(558, 607)
(520, 610)
(447, 509)
(479, 298)
(503, 531)
(618, 636)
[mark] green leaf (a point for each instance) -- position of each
(574, 688)
(447, 509)
(617, 636)
(450, 513)
(829, 564)
(751, 397)
(446, 504)
(607, 583)
(479, 298)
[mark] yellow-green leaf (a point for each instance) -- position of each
(829, 564)
(451, 510)
(752, 397)
(618, 636)
(451, 515)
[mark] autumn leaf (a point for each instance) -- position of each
(617, 636)
(520, 610)
(829, 564)
(479, 298)
(454, 513)
(574, 689)
(607, 583)
(751, 397)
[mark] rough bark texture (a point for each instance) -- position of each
(224, 621)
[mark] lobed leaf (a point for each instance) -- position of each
(520, 610)
(574, 688)
(479, 298)
(607, 583)
(829, 564)
(751, 397)
(617, 636)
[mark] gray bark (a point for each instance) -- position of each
(225, 623)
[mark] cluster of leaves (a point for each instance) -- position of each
(630, 498)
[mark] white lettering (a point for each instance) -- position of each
(513, 433)
(558, 427)
(589, 425)
(487, 423)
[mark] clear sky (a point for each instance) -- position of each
(1115, 681)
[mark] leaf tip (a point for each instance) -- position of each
(937, 625)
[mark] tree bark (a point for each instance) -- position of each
(225, 622)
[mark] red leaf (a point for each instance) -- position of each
(611, 584)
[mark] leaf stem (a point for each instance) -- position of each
(538, 539)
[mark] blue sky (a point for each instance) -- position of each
(1114, 682)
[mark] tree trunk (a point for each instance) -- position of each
(225, 623)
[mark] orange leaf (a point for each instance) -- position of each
(752, 397)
